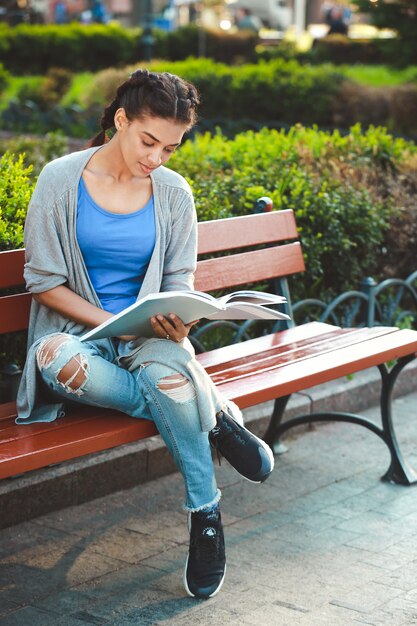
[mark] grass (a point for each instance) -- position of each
(14, 86)
(79, 84)
(380, 75)
(73, 96)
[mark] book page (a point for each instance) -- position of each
(247, 311)
(254, 297)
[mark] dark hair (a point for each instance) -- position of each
(157, 94)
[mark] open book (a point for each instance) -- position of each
(189, 306)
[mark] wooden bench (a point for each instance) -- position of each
(271, 367)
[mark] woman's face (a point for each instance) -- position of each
(148, 142)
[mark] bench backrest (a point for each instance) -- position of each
(274, 256)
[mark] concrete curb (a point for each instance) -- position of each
(39, 492)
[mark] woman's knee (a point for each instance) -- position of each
(61, 357)
(171, 383)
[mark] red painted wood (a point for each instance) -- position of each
(7, 412)
(246, 230)
(247, 267)
(260, 386)
(253, 347)
(67, 439)
(281, 356)
(11, 268)
(14, 312)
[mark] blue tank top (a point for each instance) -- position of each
(116, 248)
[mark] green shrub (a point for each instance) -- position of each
(36, 151)
(336, 186)
(47, 92)
(16, 188)
(4, 78)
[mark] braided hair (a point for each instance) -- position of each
(158, 94)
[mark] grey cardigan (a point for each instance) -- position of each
(53, 258)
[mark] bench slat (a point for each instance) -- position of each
(261, 386)
(14, 312)
(252, 347)
(246, 230)
(7, 411)
(11, 268)
(10, 431)
(248, 267)
(67, 441)
(281, 356)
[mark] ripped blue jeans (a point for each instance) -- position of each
(78, 371)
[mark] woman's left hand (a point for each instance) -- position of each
(171, 327)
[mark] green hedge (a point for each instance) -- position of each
(275, 93)
(33, 49)
(275, 90)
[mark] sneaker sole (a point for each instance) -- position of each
(190, 593)
(270, 456)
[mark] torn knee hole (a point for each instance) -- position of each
(74, 373)
(172, 382)
(49, 350)
(177, 387)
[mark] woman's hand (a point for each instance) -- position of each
(171, 327)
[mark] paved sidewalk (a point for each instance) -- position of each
(322, 542)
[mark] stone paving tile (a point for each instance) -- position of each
(367, 598)
(386, 560)
(323, 543)
(25, 536)
(404, 578)
(31, 615)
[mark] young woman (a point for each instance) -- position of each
(104, 226)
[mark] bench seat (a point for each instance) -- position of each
(257, 370)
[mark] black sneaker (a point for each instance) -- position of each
(249, 455)
(206, 561)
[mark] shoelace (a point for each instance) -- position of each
(216, 446)
(236, 441)
(206, 548)
(217, 434)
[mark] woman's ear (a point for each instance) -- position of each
(120, 119)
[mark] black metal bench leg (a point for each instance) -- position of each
(271, 434)
(399, 471)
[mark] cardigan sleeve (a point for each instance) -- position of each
(45, 266)
(181, 253)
